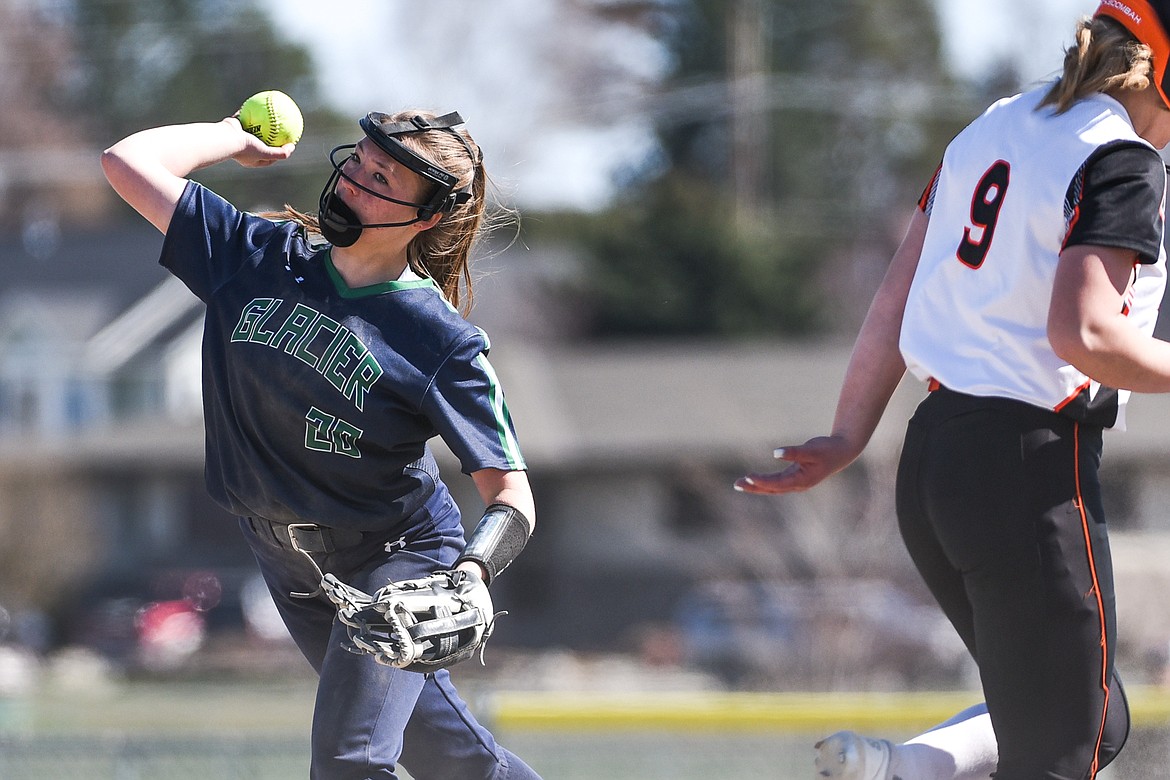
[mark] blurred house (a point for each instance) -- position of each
(641, 546)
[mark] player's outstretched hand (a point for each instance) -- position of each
(811, 463)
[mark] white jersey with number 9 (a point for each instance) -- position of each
(976, 318)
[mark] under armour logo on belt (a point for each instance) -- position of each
(396, 545)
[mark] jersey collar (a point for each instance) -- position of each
(345, 291)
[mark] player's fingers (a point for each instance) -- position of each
(746, 484)
(275, 154)
(261, 156)
(821, 449)
(752, 483)
(790, 452)
(764, 484)
(790, 480)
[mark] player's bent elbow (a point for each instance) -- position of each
(1070, 350)
(117, 168)
(112, 164)
(1093, 354)
(1075, 343)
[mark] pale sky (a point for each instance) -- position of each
(1032, 33)
(495, 62)
(502, 64)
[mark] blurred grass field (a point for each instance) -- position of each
(260, 730)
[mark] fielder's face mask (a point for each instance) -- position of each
(341, 226)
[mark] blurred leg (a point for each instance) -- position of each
(444, 740)
(961, 748)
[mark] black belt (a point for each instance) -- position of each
(305, 537)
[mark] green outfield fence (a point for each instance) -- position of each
(577, 736)
(739, 712)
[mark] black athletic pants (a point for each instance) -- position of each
(1000, 508)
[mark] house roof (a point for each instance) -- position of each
(656, 402)
(598, 406)
(113, 265)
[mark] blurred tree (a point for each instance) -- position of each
(115, 66)
(673, 263)
(40, 158)
(144, 64)
(794, 138)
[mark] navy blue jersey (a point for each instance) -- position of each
(318, 398)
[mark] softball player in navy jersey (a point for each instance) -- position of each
(1025, 294)
(327, 367)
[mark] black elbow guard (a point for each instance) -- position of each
(497, 540)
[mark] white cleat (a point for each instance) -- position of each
(850, 756)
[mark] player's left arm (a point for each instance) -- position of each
(875, 368)
(465, 402)
(1088, 327)
(506, 525)
(1119, 226)
(497, 486)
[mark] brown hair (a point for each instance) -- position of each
(1104, 57)
(443, 252)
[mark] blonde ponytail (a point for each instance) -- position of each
(1103, 58)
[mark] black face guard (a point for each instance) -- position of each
(340, 225)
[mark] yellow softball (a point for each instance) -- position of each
(273, 117)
